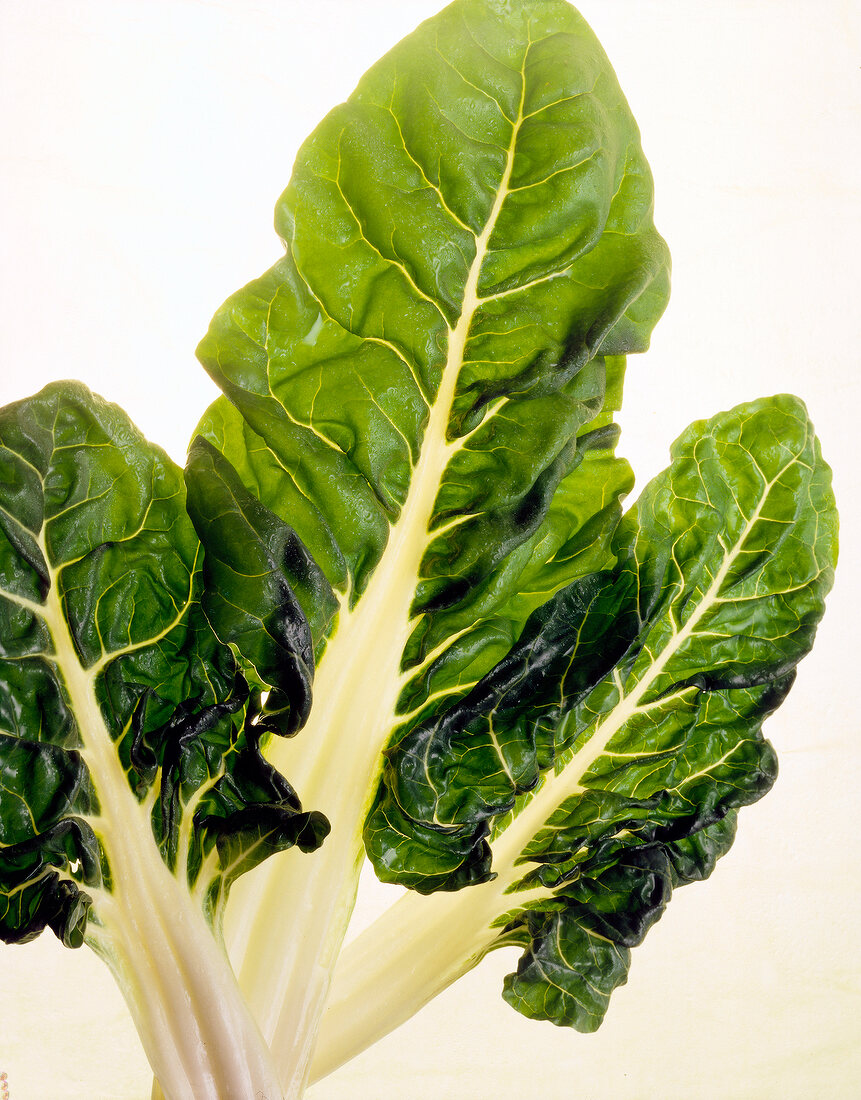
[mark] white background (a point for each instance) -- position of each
(143, 146)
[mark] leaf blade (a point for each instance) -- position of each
(712, 614)
(119, 708)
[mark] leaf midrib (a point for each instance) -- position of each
(560, 786)
(357, 685)
(383, 611)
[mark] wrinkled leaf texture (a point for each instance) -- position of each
(114, 689)
(470, 255)
(603, 761)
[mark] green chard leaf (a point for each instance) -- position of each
(129, 737)
(417, 385)
(423, 388)
(603, 760)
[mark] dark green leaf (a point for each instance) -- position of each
(121, 714)
(603, 760)
(253, 562)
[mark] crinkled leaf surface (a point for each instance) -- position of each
(422, 388)
(602, 761)
(126, 727)
(253, 563)
(416, 385)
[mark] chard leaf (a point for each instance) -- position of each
(128, 735)
(422, 387)
(417, 385)
(602, 761)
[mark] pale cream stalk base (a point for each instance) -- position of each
(335, 761)
(195, 1028)
(414, 951)
(334, 764)
(422, 944)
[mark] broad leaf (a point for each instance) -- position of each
(125, 725)
(416, 386)
(602, 761)
(422, 388)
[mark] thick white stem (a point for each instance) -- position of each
(195, 1028)
(409, 955)
(197, 1033)
(413, 952)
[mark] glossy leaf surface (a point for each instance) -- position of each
(470, 253)
(602, 761)
(124, 723)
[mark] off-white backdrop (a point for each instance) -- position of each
(143, 147)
